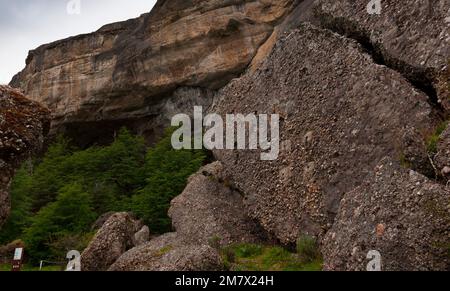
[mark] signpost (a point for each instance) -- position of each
(17, 260)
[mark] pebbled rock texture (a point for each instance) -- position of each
(397, 212)
(412, 36)
(23, 125)
(340, 114)
(115, 237)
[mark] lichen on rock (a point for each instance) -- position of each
(23, 126)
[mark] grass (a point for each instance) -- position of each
(433, 138)
(307, 248)
(253, 257)
(31, 268)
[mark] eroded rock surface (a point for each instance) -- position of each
(115, 237)
(168, 253)
(397, 212)
(120, 74)
(209, 209)
(23, 125)
(442, 157)
(206, 215)
(413, 36)
(340, 114)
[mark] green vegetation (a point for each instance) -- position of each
(308, 249)
(404, 161)
(31, 268)
(56, 199)
(253, 257)
(433, 139)
(167, 171)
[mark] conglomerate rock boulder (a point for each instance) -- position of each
(413, 36)
(207, 215)
(123, 73)
(169, 253)
(115, 237)
(208, 209)
(397, 212)
(340, 114)
(23, 125)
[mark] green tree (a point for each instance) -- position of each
(20, 206)
(49, 175)
(167, 171)
(71, 213)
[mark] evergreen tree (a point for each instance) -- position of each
(167, 171)
(71, 213)
(20, 206)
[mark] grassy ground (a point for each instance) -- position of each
(251, 257)
(30, 268)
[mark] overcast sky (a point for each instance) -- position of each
(26, 24)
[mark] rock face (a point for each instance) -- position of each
(113, 239)
(142, 236)
(442, 157)
(397, 212)
(357, 94)
(23, 125)
(206, 215)
(413, 36)
(168, 253)
(123, 73)
(208, 209)
(340, 114)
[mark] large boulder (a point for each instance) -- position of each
(412, 36)
(207, 215)
(123, 73)
(209, 209)
(169, 253)
(115, 237)
(23, 125)
(340, 114)
(397, 212)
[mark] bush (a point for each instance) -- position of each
(21, 201)
(248, 250)
(433, 139)
(254, 257)
(71, 213)
(307, 248)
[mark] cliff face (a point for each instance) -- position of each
(126, 71)
(359, 96)
(23, 124)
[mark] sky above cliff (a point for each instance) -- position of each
(26, 24)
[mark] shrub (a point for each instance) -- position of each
(307, 248)
(71, 213)
(433, 139)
